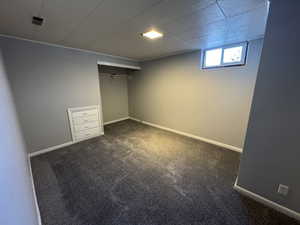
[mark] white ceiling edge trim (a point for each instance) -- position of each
(66, 47)
(105, 63)
(168, 55)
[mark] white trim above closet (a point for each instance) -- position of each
(103, 63)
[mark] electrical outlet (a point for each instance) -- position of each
(283, 190)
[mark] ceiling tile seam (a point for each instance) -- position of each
(178, 18)
(172, 33)
(144, 10)
(176, 38)
(165, 24)
(225, 20)
(240, 14)
(263, 5)
(185, 30)
(84, 18)
(207, 24)
(218, 5)
(221, 9)
(132, 18)
(194, 12)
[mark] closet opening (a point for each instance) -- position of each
(114, 90)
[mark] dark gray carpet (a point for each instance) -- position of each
(139, 175)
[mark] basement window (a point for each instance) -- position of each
(230, 55)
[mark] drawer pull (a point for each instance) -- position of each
(87, 119)
(92, 112)
(86, 126)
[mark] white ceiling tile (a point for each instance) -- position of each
(215, 29)
(199, 18)
(189, 23)
(235, 7)
(210, 41)
(252, 22)
(114, 26)
(167, 12)
(141, 48)
(16, 16)
(106, 19)
(246, 26)
(62, 16)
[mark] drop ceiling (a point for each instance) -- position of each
(114, 26)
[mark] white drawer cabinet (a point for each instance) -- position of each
(85, 113)
(89, 133)
(85, 122)
(86, 126)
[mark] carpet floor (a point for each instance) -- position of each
(139, 175)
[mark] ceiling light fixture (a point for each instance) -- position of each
(152, 34)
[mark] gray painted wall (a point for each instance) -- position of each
(176, 93)
(114, 96)
(272, 151)
(45, 81)
(17, 202)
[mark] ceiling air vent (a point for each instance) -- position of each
(37, 20)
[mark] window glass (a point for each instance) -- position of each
(232, 55)
(213, 57)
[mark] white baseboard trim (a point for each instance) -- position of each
(267, 202)
(230, 147)
(37, 208)
(56, 147)
(53, 148)
(39, 152)
(115, 121)
(137, 120)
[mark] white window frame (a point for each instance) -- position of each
(222, 64)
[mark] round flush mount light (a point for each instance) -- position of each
(152, 34)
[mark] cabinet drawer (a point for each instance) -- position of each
(87, 125)
(82, 120)
(85, 122)
(85, 113)
(87, 133)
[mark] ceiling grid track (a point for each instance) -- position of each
(135, 16)
(114, 26)
(82, 20)
(221, 9)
